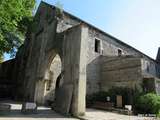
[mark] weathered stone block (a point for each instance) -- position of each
(5, 107)
(29, 107)
(63, 99)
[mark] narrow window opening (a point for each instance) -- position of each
(97, 46)
(48, 86)
(119, 52)
(148, 67)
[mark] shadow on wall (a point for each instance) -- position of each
(15, 112)
(53, 79)
(7, 83)
(97, 79)
(50, 95)
(93, 75)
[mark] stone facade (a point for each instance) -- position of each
(120, 72)
(64, 58)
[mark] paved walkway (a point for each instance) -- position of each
(93, 114)
(43, 113)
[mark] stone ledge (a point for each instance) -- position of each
(5, 107)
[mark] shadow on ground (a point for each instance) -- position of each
(42, 112)
(39, 114)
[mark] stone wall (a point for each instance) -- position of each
(109, 47)
(120, 72)
(74, 68)
(158, 63)
(74, 41)
(158, 70)
(42, 44)
(51, 77)
(157, 85)
(149, 68)
(36, 53)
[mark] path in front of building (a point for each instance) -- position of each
(94, 114)
(43, 113)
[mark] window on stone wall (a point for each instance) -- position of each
(147, 67)
(48, 85)
(97, 46)
(120, 52)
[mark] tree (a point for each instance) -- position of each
(1, 59)
(15, 16)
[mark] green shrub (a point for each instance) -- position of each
(112, 93)
(98, 96)
(125, 92)
(147, 103)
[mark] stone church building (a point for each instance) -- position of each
(64, 58)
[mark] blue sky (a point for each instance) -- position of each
(136, 22)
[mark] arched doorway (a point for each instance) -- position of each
(71, 47)
(45, 88)
(52, 80)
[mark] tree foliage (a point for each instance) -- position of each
(15, 16)
(1, 59)
(148, 103)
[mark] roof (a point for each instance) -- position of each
(90, 25)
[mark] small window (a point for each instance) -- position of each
(48, 85)
(147, 67)
(119, 52)
(97, 46)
